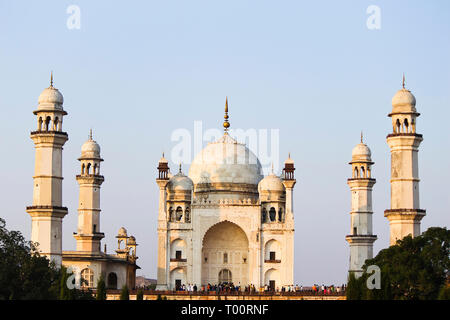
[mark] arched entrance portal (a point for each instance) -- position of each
(225, 276)
(225, 254)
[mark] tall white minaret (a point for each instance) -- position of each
(88, 235)
(361, 236)
(405, 213)
(289, 182)
(47, 211)
(162, 180)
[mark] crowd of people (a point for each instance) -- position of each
(230, 288)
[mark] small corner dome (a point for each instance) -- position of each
(361, 152)
(180, 182)
(122, 232)
(404, 101)
(131, 240)
(90, 149)
(163, 160)
(289, 160)
(50, 97)
(271, 183)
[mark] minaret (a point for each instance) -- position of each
(405, 213)
(361, 183)
(88, 235)
(289, 183)
(162, 181)
(47, 211)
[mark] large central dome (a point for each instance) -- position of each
(225, 162)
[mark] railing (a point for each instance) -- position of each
(236, 293)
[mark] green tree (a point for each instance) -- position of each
(354, 287)
(140, 294)
(101, 289)
(412, 269)
(124, 293)
(24, 274)
(444, 293)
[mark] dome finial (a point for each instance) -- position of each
(226, 124)
(272, 167)
(90, 134)
(179, 171)
(51, 79)
(403, 82)
(362, 137)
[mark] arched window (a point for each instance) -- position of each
(356, 173)
(225, 276)
(264, 215)
(398, 126)
(413, 126)
(187, 215)
(280, 215)
(87, 278)
(363, 172)
(112, 281)
(272, 214)
(47, 123)
(83, 167)
(95, 169)
(170, 214)
(406, 125)
(40, 124)
(88, 169)
(179, 213)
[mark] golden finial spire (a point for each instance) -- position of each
(51, 79)
(403, 82)
(362, 137)
(226, 124)
(272, 167)
(179, 171)
(90, 134)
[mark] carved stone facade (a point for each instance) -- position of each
(225, 221)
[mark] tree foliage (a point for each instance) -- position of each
(24, 274)
(101, 288)
(124, 293)
(412, 269)
(140, 294)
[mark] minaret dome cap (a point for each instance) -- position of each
(50, 98)
(90, 149)
(361, 152)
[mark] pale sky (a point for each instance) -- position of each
(136, 71)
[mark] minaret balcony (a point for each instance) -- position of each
(405, 134)
(61, 133)
(46, 210)
(272, 261)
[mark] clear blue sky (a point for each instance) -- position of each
(137, 71)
